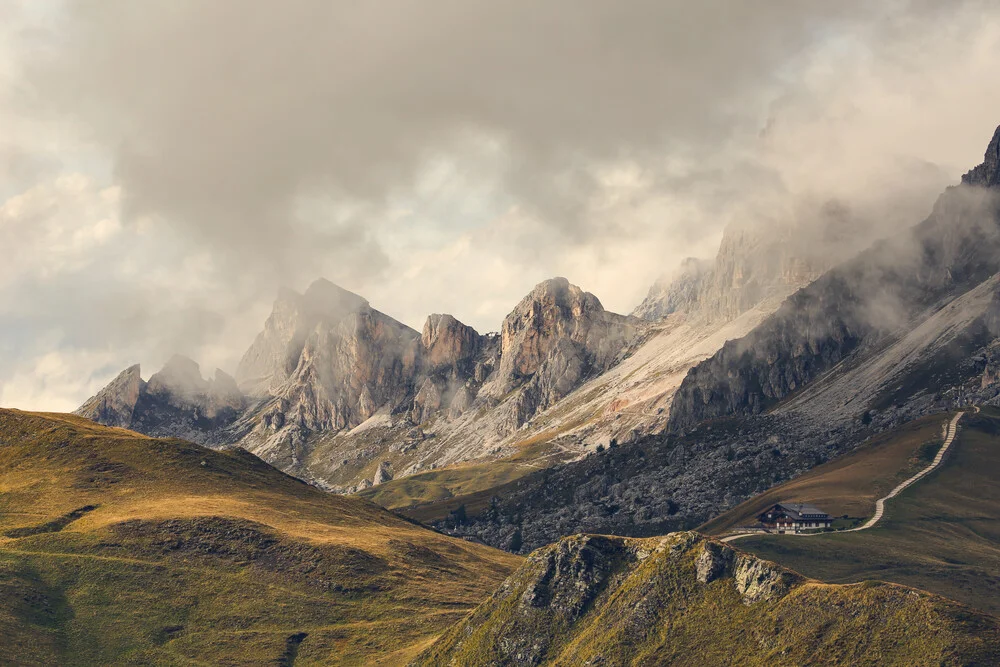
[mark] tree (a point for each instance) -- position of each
(516, 541)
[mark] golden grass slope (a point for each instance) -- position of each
(116, 548)
(941, 534)
(685, 600)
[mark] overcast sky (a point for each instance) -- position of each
(166, 165)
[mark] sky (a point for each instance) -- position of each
(165, 166)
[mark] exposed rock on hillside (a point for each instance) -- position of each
(615, 601)
(555, 338)
(678, 292)
(274, 354)
(987, 174)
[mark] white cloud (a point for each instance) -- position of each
(436, 160)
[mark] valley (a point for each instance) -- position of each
(499, 334)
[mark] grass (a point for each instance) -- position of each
(433, 494)
(441, 485)
(618, 601)
(848, 485)
(122, 549)
(942, 534)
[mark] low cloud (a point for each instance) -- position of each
(439, 157)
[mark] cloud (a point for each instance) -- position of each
(443, 156)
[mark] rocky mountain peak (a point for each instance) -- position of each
(326, 299)
(115, 404)
(447, 343)
(553, 310)
(180, 376)
(555, 338)
(675, 292)
(987, 174)
(272, 357)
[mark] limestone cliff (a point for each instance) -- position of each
(868, 301)
(556, 337)
(757, 262)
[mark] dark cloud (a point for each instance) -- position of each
(442, 155)
(221, 115)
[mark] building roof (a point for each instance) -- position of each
(797, 511)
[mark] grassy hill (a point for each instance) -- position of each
(116, 548)
(942, 534)
(685, 600)
(849, 485)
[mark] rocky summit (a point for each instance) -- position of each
(341, 394)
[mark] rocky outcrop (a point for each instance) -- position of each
(590, 600)
(987, 175)
(449, 346)
(553, 314)
(114, 405)
(382, 475)
(757, 262)
(347, 369)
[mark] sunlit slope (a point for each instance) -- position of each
(941, 534)
(685, 600)
(117, 548)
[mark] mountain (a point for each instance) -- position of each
(689, 316)
(176, 401)
(883, 320)
(118, 548)
(685, 600)
(758, 262)
(341, 394)
(907, 328)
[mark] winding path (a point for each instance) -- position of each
(950, 431)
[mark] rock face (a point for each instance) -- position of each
(113, 405)
(449, 346)
(677, 292)
(555, 313)
(757, 262)
(274, 354)
(327, 366)
(987, 175)
(590, 600)
(555, 338)
(176, 401)
(871, 298)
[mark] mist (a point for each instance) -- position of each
(168, 165)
